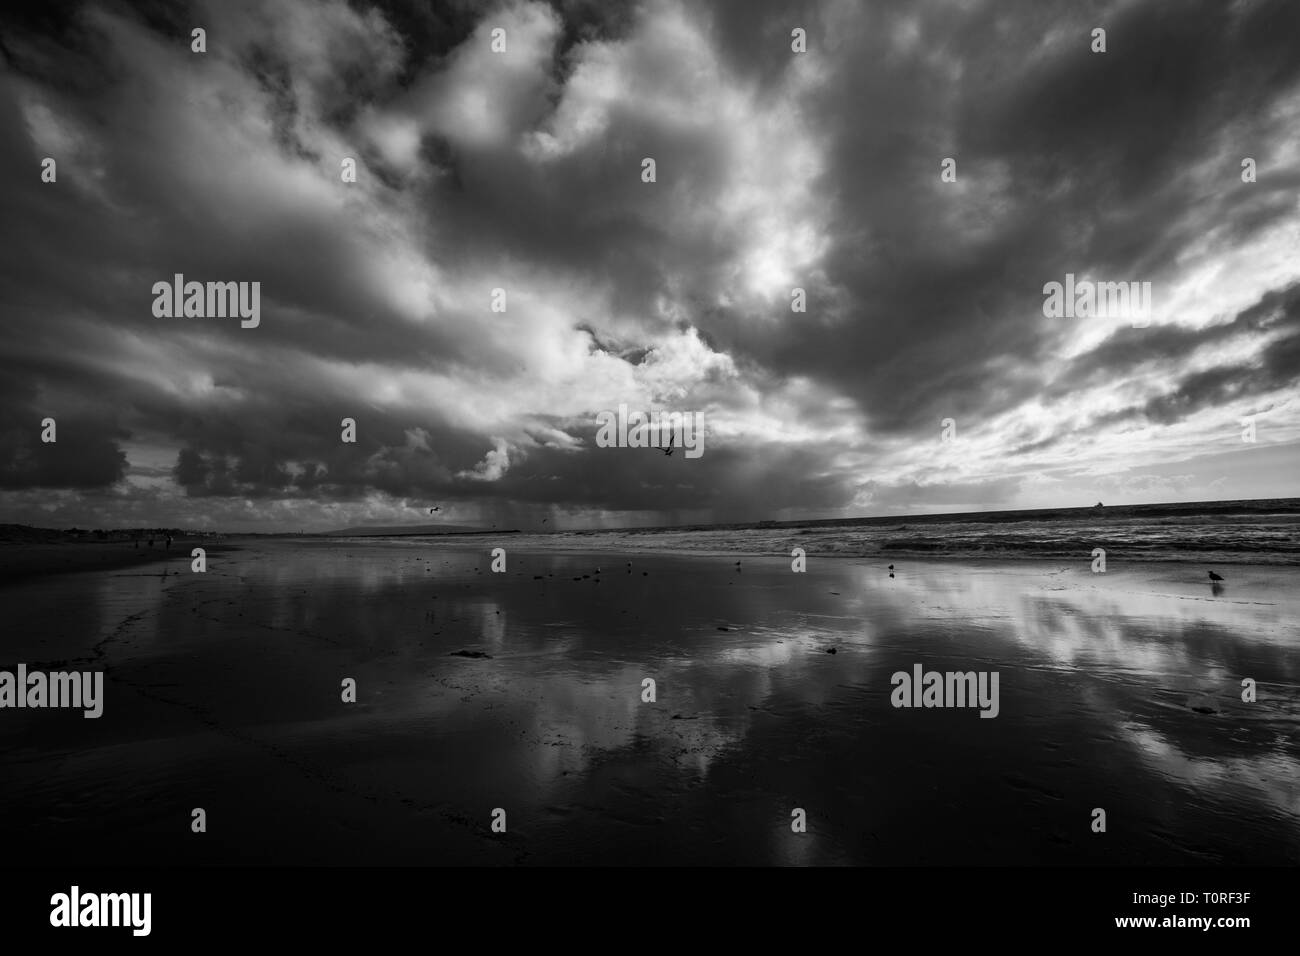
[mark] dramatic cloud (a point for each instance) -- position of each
(499, 272)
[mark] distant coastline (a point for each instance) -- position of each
(1259, 531)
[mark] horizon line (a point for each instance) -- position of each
(769, 522)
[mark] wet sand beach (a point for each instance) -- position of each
(222, 691)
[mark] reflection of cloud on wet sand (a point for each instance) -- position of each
(750, 721)
(576, 699)
(1270, 780)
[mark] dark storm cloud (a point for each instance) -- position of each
(432, 29)
(1096, 150)
(521, 171)
(1162, 351)
(1277, 313)
(1279, 368)
(644, 479)
(86, 453)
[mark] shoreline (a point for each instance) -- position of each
(20, 562)
(24, 562)
(541, 544)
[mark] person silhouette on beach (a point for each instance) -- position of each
(169, 542)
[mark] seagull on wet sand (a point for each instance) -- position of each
(1215, 577)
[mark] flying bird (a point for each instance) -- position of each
(669, 449)
(432, 510)
(1215, 577)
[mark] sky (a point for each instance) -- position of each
(924, 373)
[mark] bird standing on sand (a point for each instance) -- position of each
(1215, 577)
